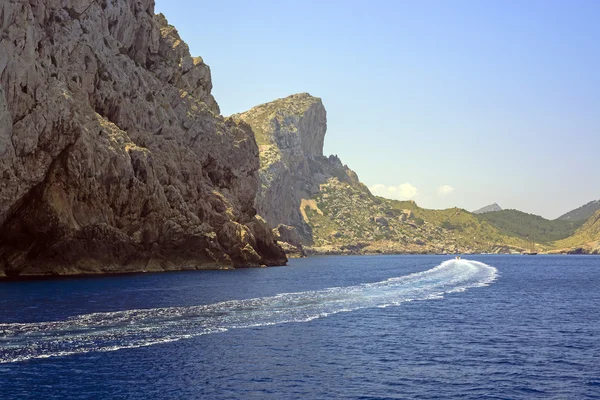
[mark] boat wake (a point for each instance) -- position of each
(111, 331)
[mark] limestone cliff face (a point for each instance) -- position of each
(290, 133)
(113, 157)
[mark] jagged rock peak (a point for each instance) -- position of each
(490, 208)
(296, 120)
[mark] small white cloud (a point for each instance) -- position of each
(407, 191)
(377, 188)
(404, 191)
(445, 190)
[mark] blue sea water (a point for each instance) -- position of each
(364, 327)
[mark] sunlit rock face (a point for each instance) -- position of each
(113, 155)
(290, 133)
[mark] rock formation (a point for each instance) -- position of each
(333, 212)
(288, 238)
(490, 208)
(113, 155)
(290, 133)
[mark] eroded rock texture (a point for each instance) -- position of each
(113, 156)
(290, 133)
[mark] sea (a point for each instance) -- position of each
(331, 327)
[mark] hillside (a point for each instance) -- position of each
(333, 212)
(585, 240)
(518, 224)
(316, 204)
(347, 218)
(582, 213)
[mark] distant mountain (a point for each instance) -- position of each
(522, 225)
(490, 208)
(582, 213)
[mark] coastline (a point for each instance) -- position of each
(96, 268)
(135, 269)
(88, 274)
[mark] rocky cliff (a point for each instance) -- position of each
(113, 156)
(290, 133)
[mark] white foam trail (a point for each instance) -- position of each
(100, 332)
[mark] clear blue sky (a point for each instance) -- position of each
(499, 100)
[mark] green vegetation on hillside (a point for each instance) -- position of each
(582, 213)
(461, 225)
(585, 236)
(342, 215)
(522, 225)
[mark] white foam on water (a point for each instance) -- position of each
(101, 332)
